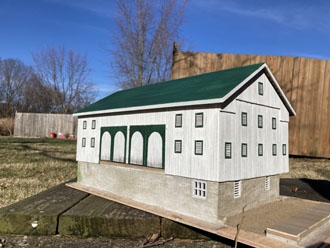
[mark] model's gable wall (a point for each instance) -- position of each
(268, 105)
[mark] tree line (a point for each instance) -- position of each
(58, 82)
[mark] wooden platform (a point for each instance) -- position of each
(297, 228)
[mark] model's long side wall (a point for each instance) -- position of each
(186, 163)
(268, 106)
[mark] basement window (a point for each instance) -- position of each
(199, 120)
(267, 183)
(261, 88)
(83, 142)
(93, 124)
(178, 146)
(260, 150)
(244, 119)
(237, 189)
(199, 189)
(273, 123)
(227, 150)
(178, 120)
(244, 150)
(260, 121)
(84, 124)
(92, 142)
(274, 149)
(198, 147)
(284, 149)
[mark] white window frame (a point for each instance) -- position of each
(84, 124)
(201, 144)
(199, 120)
(237, 189)
(92, 142)
(179, 142)
(260, 121)
(177, 122)
(260, 88)
(228, 150)
(83, 142)
(93, 124)
(244, 117)
(244, 153)
(273, 123)
(274, 149)
(199, 189)
(267, 183)
(262, 149)
(284, 149)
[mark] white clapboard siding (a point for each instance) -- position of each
(137, 149)
(155, 148)
(106, 146)
(119, 147)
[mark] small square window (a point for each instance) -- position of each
(244, 150)
(267, 183)
(260, 88)
(237, 189)
(93, 124)
(178, 120)
(83, 142)
(260, 121)
(273, 123)
(199, 189)
(244, 119)
(178, 146)
(260, 150)
(92, 142)
(199, 120)
(84, 124)
(284, 149)
(198, 147)
(274, 149)
(227, 150)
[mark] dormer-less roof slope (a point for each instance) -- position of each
(209, 88)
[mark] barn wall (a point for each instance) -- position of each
(185, 164)
(41, 125)
(305, 82)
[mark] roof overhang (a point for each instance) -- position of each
(202, 102)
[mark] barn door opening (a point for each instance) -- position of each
(106, 146)
(147, 145)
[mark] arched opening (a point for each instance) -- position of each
(136, 156)
(119, 148)
(155, 150)
(106, 146)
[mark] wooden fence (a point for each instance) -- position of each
(41, 125)
(306, 83)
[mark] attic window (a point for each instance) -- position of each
(198, 147)
(244, 150)
(199, 189)
(273, 123)
(227, 150)
(92, 142)
(260, 88)
(284, 149)
(178, 146)
(267, 183)
(84, 124)
(260, 121)
(199, 120)
(83, 142)
(237, 189)
(260, 150)
(178, 120)
(274, 149)
(93, 124)
(244, 119)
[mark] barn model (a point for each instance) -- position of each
(201, 147)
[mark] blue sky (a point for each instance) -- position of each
(286, 28)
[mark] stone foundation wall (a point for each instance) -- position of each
(253, 194)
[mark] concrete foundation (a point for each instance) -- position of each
(153, 187)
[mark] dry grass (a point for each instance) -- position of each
(7, 126)
(29, 166)
(312, 168)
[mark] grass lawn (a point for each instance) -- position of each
(29, 166)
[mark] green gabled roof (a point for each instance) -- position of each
(202, 87)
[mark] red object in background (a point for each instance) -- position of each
(61, 136)
(53, 135)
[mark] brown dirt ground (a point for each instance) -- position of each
(258, 219)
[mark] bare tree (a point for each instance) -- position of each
(66, 76)
(14, 75)
(142, 43)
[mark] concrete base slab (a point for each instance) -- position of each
(39, 214)
(95, 216)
